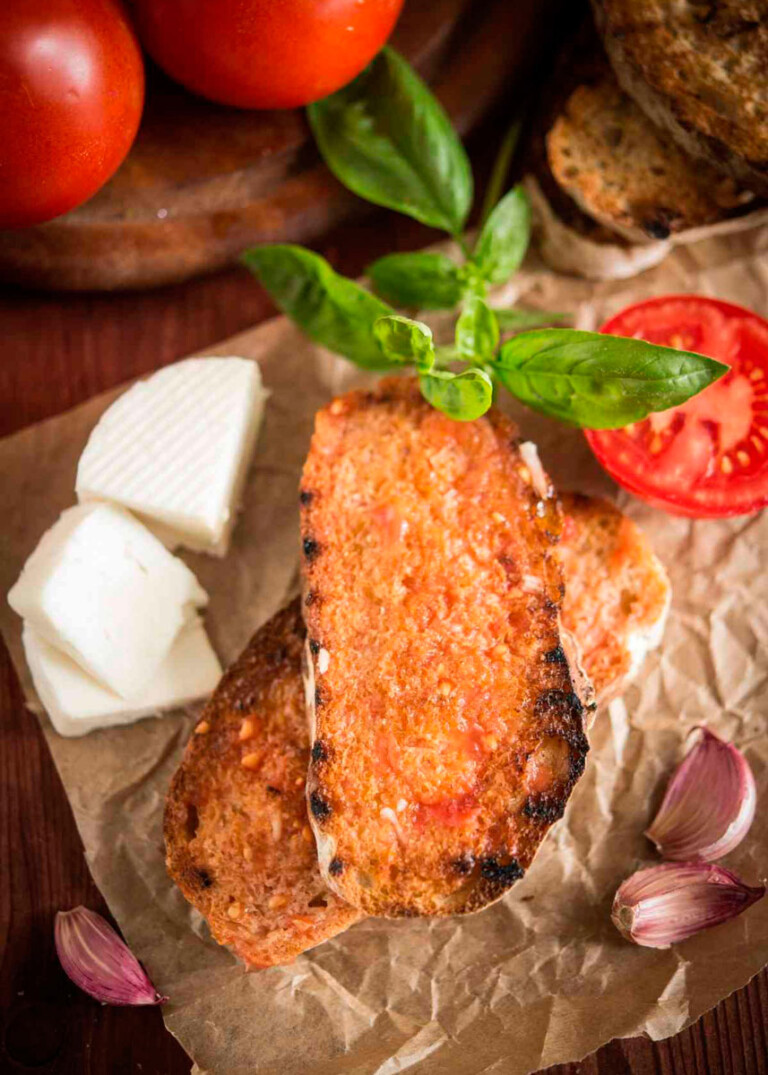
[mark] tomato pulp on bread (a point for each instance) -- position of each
(708, 457)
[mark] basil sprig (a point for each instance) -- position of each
(388, 139)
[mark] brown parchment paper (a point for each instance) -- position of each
(541, 977)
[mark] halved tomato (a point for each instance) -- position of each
(708, 457)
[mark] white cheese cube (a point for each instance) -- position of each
(77, 704)
(176, 448)
(104, 590)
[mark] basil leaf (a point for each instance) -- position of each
(333, 311)
(387, 139)
(419, 281)
(599, 381)
(505, 236)
(406, 341)
(462, 396)
(477, 330)
(512, 320)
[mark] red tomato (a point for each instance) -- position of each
(708, 457)
(264, 53)
(71, 95)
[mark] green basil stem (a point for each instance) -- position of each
(500, 171)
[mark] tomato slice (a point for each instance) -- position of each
(708, 457)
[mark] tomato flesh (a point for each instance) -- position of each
(708, 457)
(71, 96)
(264, 53)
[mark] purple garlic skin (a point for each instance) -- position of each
(99, 962)
(666, 904)
(709, 804)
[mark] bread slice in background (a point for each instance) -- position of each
(617, 592)
(237, 836)
(449, 729)
(699, 70)
(608, 157)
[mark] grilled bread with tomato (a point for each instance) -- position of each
(448, 720)
(237, 836)
(699, 70)
(617, 593)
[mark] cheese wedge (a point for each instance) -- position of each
(77, 704)
(106, 592)
(176, 448)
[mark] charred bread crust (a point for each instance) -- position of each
(431, 745)
(699, 70)
(237, 836)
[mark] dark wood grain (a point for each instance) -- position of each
(58, 351)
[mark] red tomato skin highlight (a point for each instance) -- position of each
(684, 477)
(264, 53)
(71, 97)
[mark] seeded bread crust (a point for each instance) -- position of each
(617, 593)
(237, 837)
(699, 70)
(448, 728)
(609, 158)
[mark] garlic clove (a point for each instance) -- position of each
(709, 804)
(99, 962)
(665, 904)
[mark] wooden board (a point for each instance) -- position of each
(203, 182)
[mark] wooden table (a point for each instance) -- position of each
(56, 352)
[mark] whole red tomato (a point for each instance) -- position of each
(264, 53)
(71, 95)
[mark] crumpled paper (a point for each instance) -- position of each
(541, 977)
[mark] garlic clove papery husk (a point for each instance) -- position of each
(669, 903)
(99, 962)
(709, 804)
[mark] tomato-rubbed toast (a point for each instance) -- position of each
(604, 556)
(447, 728)
(237, 837)
(617, 593)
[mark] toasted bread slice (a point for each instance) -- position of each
(699, 70)
(449, 731)
(608, 157)
(617, 593)
(237, 837)
(604, 551)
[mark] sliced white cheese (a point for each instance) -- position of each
(77, 704)
(105, 591)
(176, 448)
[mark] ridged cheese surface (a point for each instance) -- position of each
(77, 704)
(175, 449)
